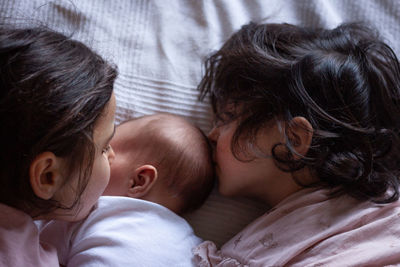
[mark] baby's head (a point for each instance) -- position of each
(164, 159)
(323, 104)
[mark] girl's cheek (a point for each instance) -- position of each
(105, 170)
(108, 169)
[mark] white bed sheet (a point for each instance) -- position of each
(159, 46)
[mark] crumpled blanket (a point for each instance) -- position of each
(312, 228)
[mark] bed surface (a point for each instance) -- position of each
(159, 47)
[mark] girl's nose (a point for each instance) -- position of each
(213, 134)
(111, 155)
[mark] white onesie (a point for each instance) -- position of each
(123, 232)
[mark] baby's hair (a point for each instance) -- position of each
(182, 155)
(344, 81)
(53, 90)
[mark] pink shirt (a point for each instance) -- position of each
(19, 241)
(309, 228)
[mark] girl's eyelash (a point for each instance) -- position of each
(223, 119)
(106, 149)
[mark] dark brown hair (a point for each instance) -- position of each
(344, 81)
(53, 89)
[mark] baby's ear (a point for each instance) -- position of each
(300, 132)
(45, 175)
(143, 180)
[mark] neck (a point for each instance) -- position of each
(286, 185)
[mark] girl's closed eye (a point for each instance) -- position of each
(106, 149)
(217, 122)
(223, 119)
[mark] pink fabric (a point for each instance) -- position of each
(19, 241)
(311, 229)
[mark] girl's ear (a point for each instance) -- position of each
(300, 134)
(143, 180)
(45, 175)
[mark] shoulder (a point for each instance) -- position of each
(117, 215)
(135, 209)
(20, 242)
(307, 228)
(120, 226)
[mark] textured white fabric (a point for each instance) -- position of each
(159, 46)
(123, 232)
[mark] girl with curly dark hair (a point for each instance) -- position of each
(307, 120)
